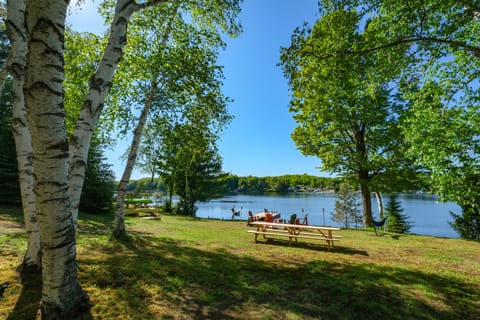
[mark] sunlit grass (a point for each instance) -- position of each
(187, 268)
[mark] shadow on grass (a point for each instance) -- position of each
(13, 211)
(95, 224)
(28, 302)
(319, 246)
(147, 272)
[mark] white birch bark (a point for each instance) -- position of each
(57, 183)
(119, 221)
(100, 83)
(17, 35)
(380, 204)
(62, 296)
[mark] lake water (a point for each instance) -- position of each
(425, 212)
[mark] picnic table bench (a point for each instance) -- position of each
(139, 206)
(137, 211)
(294, 231)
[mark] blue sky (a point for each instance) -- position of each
(258, 140)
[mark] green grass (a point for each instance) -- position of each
(186, 268)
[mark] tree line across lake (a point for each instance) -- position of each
(254, 184)
(100, 181)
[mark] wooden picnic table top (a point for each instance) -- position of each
(288, 225)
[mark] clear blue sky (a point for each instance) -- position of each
(258, 140)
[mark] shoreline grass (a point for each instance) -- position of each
(188, 268)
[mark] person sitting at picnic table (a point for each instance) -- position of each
(251, 217)
(268, 217)
(293, 219)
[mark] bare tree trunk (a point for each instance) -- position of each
(17, 35)
(62, 295)
(119, 222)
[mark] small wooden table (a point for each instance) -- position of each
(295, 231)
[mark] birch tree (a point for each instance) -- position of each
(59, 164)
(178, 59)
(143, 86)
(221, 14)
(149, 151)
(17, 33)
(62, 295)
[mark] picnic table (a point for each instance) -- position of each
(139, 206)
(137, 202)
(295, 231)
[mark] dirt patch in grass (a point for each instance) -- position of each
(11, 227)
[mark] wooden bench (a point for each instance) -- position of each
(137, 211)
(295, 236)
(294, 231)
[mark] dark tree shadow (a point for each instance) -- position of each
(202, 284)
(28, 302)
(317, 246)
(216, 284)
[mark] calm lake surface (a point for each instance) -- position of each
(428, 215)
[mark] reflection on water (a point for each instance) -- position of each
(428, 215)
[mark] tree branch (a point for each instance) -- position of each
(455, 44)
(149, 3)
(452, 43)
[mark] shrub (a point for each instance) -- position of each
(396, 221)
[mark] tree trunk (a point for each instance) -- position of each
(380, 204)
(99, 84)
(31, 261)
(363, 174)
(17, 35)
(366, 203)
(170, 191)
(119, 222)
(62, 295)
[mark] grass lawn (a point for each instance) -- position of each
(187, 268)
